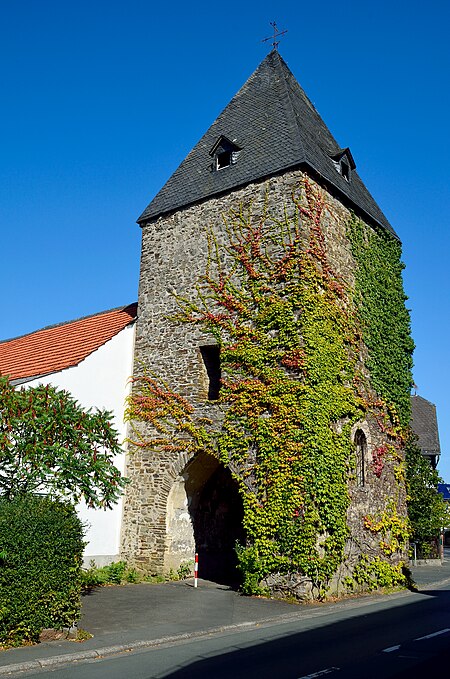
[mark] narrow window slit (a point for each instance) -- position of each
(211, 358)
(361, 451)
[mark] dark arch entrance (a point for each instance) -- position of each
(217, 522)
(204, 514)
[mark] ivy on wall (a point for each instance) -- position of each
(386, 331)
(290, 343)
(385, 321)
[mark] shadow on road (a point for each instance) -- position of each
(362, 646)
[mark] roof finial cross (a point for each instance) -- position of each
(276, 34)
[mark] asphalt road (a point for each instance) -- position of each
(401, 637)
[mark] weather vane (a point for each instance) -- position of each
(276, 34)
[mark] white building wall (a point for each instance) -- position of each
(101, 381)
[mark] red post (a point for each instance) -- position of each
(196, 570)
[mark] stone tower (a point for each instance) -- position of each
(267, 140)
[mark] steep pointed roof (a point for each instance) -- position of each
(276, 128)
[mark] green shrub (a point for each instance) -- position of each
(41, 542)
(115, 573)
(118, 573)
(93, 576)
(185, 570)
(154, 578)
(132, 576)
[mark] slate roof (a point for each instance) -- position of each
(61, 346)
(277, 127)
(425, 425)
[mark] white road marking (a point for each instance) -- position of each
(320, 673)
(410, 657)
(435, 634)
(391, 648)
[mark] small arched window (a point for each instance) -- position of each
(361, 451)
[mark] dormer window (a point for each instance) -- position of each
(344, 163)
(223, 159)
(224, 153)
(345, 170)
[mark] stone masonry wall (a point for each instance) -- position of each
(174, 254)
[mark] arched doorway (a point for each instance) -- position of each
(217, 521)
(204, 514)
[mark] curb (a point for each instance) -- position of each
(108, 651)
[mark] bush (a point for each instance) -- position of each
(41, 546)
(185, 570)
(119, 573)
(116, 573)
(427, 509)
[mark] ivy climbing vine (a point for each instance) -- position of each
(385, 322)
(290, 343)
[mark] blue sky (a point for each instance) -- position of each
(102, 100)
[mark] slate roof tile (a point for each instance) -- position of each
(61, 346)
(278, 129)
(425, 425)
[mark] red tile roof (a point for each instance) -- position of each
(61, 346)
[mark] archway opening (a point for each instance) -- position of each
(205, 514)
(217, 521)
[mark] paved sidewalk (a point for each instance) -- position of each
(128, 616)
(427, 575)
(133, 616)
